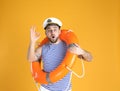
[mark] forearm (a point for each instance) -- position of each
(31, 52)
(85, 55)
(82, 54)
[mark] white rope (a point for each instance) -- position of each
(83, 71)
(69, 83)
(37, 85)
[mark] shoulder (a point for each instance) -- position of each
(64, 43)
(38, 49)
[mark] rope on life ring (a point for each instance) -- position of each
(77, 75)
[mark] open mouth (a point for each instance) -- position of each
(53, 39)
(53, 36)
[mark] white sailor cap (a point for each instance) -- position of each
(51, 20)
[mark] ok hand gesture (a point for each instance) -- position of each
(34, 36)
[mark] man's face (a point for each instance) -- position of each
(53, 32)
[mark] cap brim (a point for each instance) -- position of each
(50, 24)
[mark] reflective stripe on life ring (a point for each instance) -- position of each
(58, 73)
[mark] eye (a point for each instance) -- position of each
(48, 31)
(55, 30)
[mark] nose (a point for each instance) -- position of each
(52, 31)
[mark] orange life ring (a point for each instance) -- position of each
(43, 77)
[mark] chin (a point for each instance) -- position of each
(53, 41)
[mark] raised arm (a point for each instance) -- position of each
(33, 54)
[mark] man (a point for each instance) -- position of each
(53, 52)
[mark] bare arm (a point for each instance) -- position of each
(33, 55)
(85, 55)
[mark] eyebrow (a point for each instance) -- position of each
(53, 27)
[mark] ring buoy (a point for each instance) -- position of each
(43, 77)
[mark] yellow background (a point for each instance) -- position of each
(96, 23)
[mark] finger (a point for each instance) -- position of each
(37, 33)
(31, 29)
(38, 36)
(34, 28)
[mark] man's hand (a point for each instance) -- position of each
(75, 48)
(34, 36)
